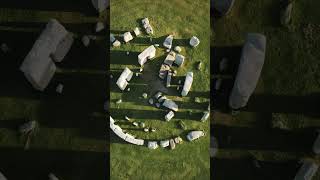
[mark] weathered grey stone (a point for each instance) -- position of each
(59, 88)
(177, 49)
(85, 40)
(194, 41)
(151, 101)
(172, 144)
(99, 26)
(286, 15)
(145, 95)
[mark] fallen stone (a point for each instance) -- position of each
(112, 38)
(59, 88)
(135, 123)
(168, 42)
(116, 43)
(169, 116)
(119, 101)
(51, 176)
(137, 31)
(137, 74)
(85, 41)
(177, 49)
(127, 118)
(152, 145)
(153, 130)
(223, 65)
(127, 37)
(99, 26)
(151, 101)
(128, 89)
(179, 60)
(172, 144)
(168, 50)
(164, 143)
(146, 129)
(142, 124)
(92, 37)
(158, 95)
(4, 47)
(197, 100)
(145, 95)
(156, 45)
(157, 105)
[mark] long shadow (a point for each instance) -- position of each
(82, 98)
(230, 169)
(36, 164)
(80, 28)
(93, 57)
(12, 123)
(121, 57)
(154, 115)
(151, 40)
(307, 105)
(82, 6)
(264, 139)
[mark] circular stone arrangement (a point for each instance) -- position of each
(159, 99)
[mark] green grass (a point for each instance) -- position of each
(291, 73)
(189, 160)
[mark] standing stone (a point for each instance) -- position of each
(151, 101)
(194, 41)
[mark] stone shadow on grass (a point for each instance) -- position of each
(153, 115)
(246, 169)
(82, 6)
(298, 141)
(38, 163)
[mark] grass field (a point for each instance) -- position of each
(70, 141)
(189, 160)
(278, 126)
